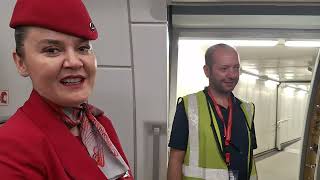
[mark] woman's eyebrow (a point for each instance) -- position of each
(50, 41)
(82, 41)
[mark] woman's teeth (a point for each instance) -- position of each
(71, 80)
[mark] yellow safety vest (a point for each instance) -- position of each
(203, 160)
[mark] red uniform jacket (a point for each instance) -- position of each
(36, 145)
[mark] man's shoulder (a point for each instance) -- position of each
(241, 101)
(202, 92)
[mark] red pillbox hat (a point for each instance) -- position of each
(66, 16)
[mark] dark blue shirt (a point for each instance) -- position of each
(239, 139)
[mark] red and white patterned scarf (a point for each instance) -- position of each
(95, 139)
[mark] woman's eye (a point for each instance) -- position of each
(84, 49)
(51, 51)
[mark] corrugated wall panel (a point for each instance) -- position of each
(111, 19)
(150, 66)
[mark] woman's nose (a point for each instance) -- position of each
(72, 60)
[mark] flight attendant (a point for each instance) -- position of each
(56, 134)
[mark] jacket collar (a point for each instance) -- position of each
(72, 154)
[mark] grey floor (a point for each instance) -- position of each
(281, 166)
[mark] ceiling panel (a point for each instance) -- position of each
(286, 63)
(237, 1)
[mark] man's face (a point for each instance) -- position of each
(225, 69)
(62, 67)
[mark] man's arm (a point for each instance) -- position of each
(175, 164)
(178, 143)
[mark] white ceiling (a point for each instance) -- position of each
(288, 63)
(237, 1)
(280, 63)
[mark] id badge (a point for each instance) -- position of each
(233, 175)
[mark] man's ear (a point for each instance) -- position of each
(206, 70)
(20, 65)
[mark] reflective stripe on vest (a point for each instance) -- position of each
(193, 117)
(248, 110)
(253, 177)
(205, 173)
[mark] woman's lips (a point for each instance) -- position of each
(73, 81)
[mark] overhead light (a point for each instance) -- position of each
(251, 43)
(296, 87)
(304, 87)
(301, 93)
(248, 43)
(302, 43)
(273, 76)
(253, 71)
(289, 76)
(271, 84)
(248, 78)
(289, 91)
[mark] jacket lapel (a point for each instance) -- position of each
(72, 154)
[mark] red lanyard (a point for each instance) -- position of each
(227, 130)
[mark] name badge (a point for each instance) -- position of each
(233, 175)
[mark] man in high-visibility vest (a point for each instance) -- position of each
(213, 134)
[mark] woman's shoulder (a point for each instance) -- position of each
(22, 144)
(19, 130)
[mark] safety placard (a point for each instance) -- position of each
(4, 97)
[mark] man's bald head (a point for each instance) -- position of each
(214, 50)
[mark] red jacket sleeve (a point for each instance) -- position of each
(18, 160)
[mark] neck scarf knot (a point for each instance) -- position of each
(95, 139)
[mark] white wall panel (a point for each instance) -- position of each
(292, 109)
(264, 99)
(150, 68)
(113, 94)
(267, 109)
(285, 113)
(112, 21)
(19, 88)
(148, 10)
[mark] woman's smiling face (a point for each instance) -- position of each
(62, 67)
